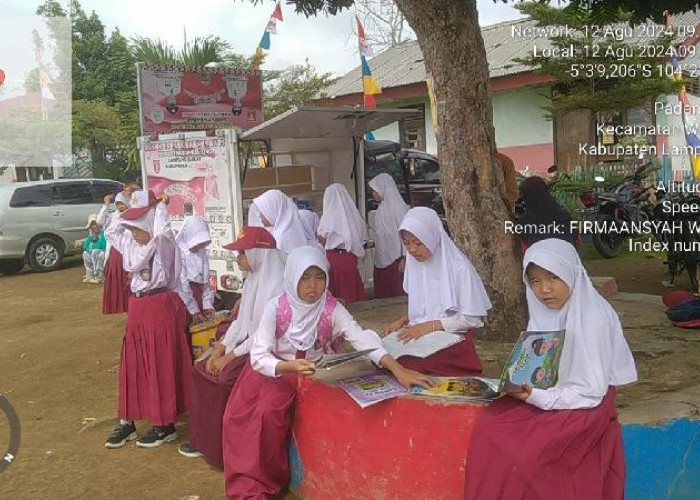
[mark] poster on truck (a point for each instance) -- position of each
(182, 99)
(194, 174)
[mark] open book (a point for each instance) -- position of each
(330, 361)
(422, 347)
(367, 390)
(535, 360)
(461, 389)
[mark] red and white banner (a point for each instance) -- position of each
(180, 99)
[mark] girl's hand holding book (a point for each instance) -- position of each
(300, 366)
(521, 392)
(392, 327)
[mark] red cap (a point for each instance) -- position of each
(141, 203)
(252, 237)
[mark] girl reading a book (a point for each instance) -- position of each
(445, 293)
(296, 329)
(568, 433)
(214, 376)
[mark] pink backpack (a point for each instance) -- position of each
(324, 330)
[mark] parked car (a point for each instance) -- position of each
(39, 221)
(417, 173)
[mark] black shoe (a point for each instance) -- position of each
(120, 435)
(158, 435)
(189, 451)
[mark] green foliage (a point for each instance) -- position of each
(603, 73)
(293, 86)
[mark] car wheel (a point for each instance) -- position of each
(45, 254)
(11, 266)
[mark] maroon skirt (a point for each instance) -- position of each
(344, 280)
(207, 405)
(256, 422)
(388, 281)
(154, 376)
(519, 452)
(458, 360)
(116, 291)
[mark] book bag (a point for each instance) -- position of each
(685, 313)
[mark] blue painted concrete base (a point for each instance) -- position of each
(663, 461)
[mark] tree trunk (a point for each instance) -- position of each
(450, 38)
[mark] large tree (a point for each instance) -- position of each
(450, 39)
(292, 86)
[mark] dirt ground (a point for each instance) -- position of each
(59, 360)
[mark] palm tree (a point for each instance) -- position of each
(200, 52)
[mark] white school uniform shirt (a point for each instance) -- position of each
(195, 265)
(595, 355)
(301, 333)
(445, 287)
(152, 266)
(267, 351)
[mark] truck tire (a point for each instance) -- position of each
(11, 266)
(45, 254)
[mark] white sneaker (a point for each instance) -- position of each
(94, 279)
(87, 278)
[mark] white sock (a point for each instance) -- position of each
(126, 422)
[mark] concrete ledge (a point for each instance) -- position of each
(606, 286)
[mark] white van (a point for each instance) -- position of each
(40, 220)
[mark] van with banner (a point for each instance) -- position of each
(218, 173)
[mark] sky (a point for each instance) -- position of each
(327, 42)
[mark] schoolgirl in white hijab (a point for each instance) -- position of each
(444, 290)
(154, 369)
(341, 224)
(595, 354)
(255, 457)
(310, 220)
(265, 281)
(278, 214)
(192, 240)
(388, 218)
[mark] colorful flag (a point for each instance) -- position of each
(370, 87)
(271, 28)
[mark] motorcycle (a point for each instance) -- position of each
(681, 253)
(625, 207)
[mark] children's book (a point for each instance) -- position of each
(535, 360)
(371, 389)
(423, 346)
(330, 361)
(460, 389)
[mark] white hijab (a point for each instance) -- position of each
(302, 329)
(447, 282)
(342, 219)
(595, 353)
(194, 232)
(310, 220)
(390, 213)
(122, 198)
(284, 216)
(265, 281)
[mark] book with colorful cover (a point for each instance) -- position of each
(535, 360)
(460, 389)
(367, 390)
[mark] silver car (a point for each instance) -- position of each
(39, 221)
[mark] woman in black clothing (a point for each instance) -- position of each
(544, 217)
